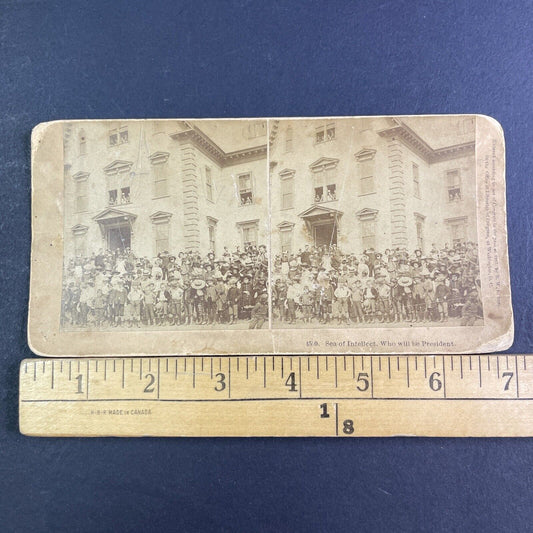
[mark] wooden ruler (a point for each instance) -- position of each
(344, 396)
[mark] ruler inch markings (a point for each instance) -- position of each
(44, 388)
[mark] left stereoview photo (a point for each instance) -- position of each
(164, 225)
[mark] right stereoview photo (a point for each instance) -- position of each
(374, 222)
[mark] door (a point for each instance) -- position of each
(325, 234)
(119, 238)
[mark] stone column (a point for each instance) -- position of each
(190, 183)
(397, 193)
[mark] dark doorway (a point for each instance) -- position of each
(119, 238)
(325, 234)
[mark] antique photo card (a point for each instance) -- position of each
(262, 236)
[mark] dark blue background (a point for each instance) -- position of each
(237, 59)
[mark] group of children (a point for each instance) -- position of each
(323, 285)
(121, 290)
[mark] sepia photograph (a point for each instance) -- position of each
(374, 222)
(382, 234)
(165, 225)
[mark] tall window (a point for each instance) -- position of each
(368, 232)
(366, 170)
(118, 136)
(249, 231)
(119, 182)
(82, 199)
(80, 240)
(453, 179)
(366, 180)
(80, 244)
(367, 220)
(125, 195)
(212, 228)
(458, 228)
(83, 142)
(162, 231)
(325, 186)
(419, 223)
(245, 189)
(112, 197)
(249, 236)
(325, 133)
(287, 189)
(285, 235)
(160, 176)
(208, 184)
(288, 139)
(416, 181)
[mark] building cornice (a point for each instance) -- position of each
(118, 167)
(210, 148)
(431, 155)
(367, 214)
(160, 217)
(322, 163)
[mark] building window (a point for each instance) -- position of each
(416, 181)
(368, 232)
(118, 136)
(245, 189)
(208, 184)
(366, 171)
(288, 139)
(125, 195)
(161, 225)
(83, 143)
(249, 232)
(80, 245)
(81, 196)
(325, 187)
(367, 219)
(287, 188)
(162, 232)
(285, 235)
(453, 179)
(212, 231)
(119, 196)
(160, 176)
(419, 224)
(112, 197)
(325, 133)
(80, 240)
(367, 183)
(457, 228)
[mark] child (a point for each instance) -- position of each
(369, 300)
(342, 293)
(306, 301)
(176, 294)
(135, 297)
(357, 301)
(259, 313)
(149, 302)
(99, 304)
